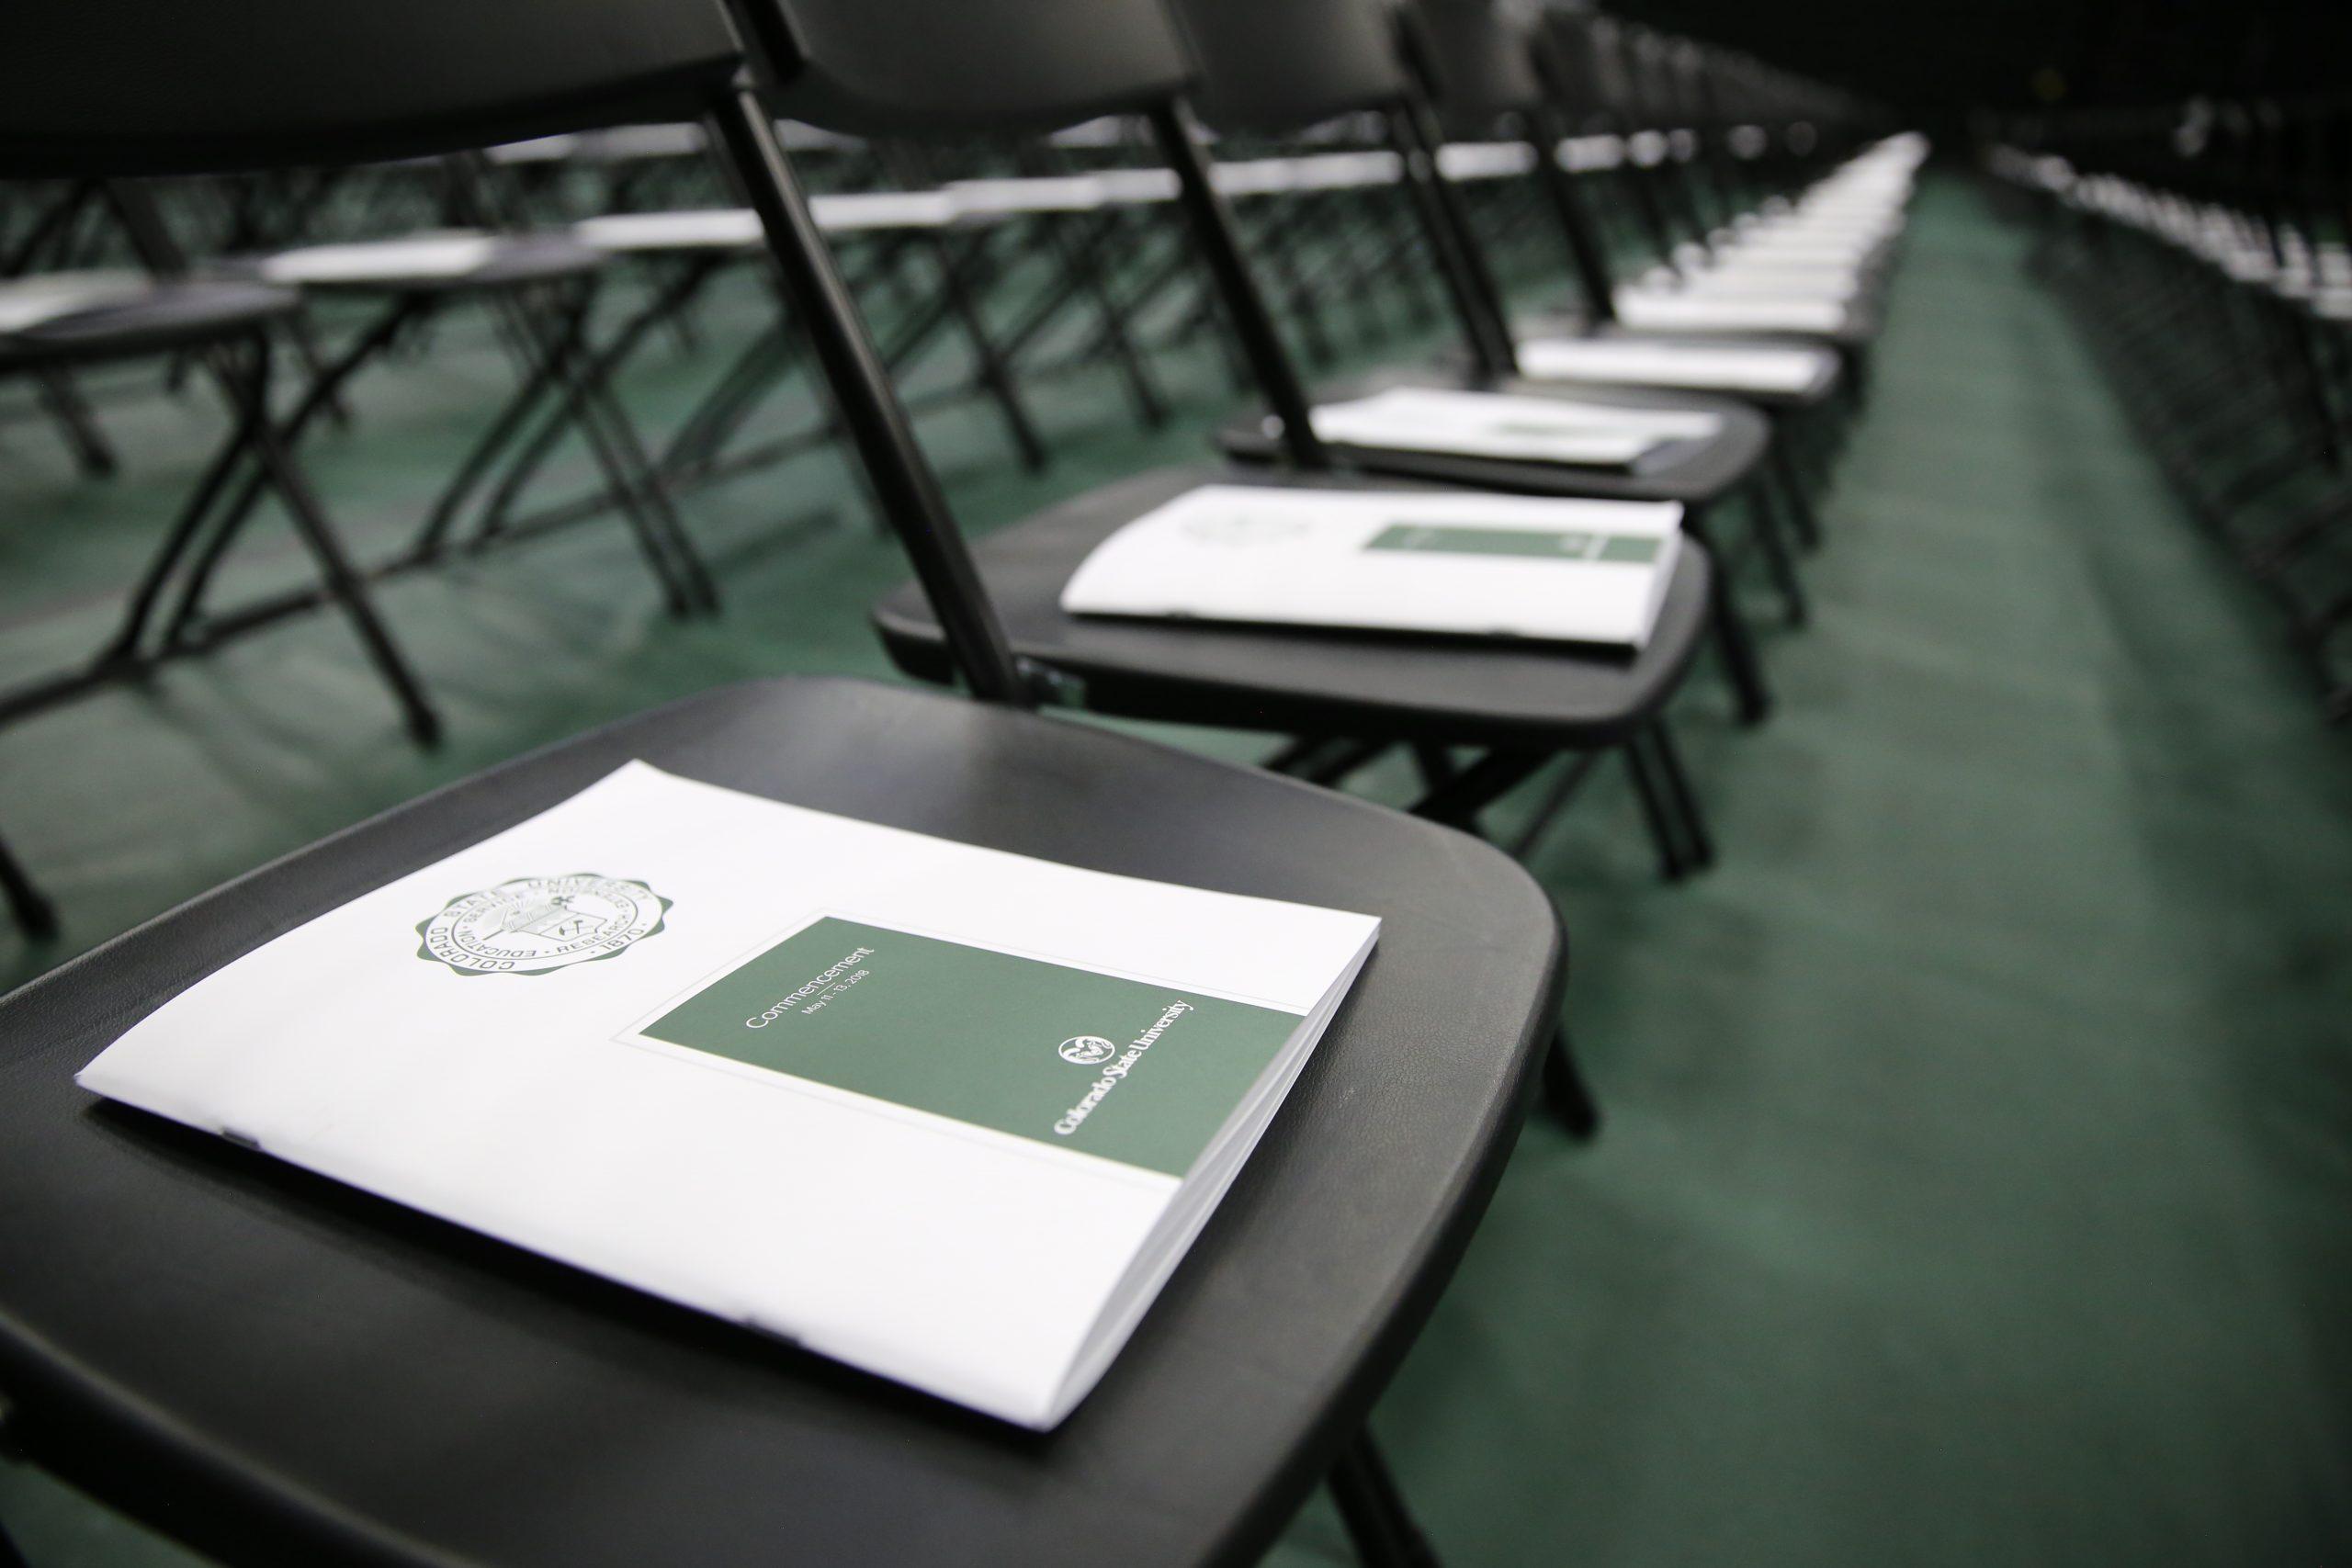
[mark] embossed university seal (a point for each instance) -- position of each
(535, 924)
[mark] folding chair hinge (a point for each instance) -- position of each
(1052, 687)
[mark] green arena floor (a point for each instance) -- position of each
(1977, 1181)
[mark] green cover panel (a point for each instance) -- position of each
(1458, 539)
(1130, 1071)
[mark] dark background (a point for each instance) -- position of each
(1935, 58)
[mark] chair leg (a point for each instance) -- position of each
(699, 437)
(495, 443)
(1733, 643)
(1764, 519)
(1699, 845)
(196, 512)
(36, 918)
(342, 582)
(305, 341)
(75, 421)
(228, 520)
(640, 492)
(1566, 1092)
(1671, 865)
(1373, 1510)
(955, 284)
(1435, 765)
(1113, 333)
(522, 457)
(1793, 493)
(660, 507)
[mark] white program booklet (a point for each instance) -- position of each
(945, 1113)
(1498, 424)
(1586, 572)
(1658, 361)
(1644, 310)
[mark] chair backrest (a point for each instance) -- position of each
(1279, 66)
(116, 87)
(1476, 57)
(1647, 56)
(1582, 51)
(875, 66)
(1662, 71)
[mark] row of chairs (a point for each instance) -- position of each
(1619, 142)
(2206, 245)
(265, 1364)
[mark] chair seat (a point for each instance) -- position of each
(1316, 172)
(1047, 195)
(1693, 472)
(1737, 281)
(1823, 368)
(1793, 257)
(722, 230)
(1670, 315)
(1136, 187)
(1872, 224)
(1869, 264)
(697, 229)
(1806, 243)
(1735, 275)
(1677, 310)
(446, 262)
(1469, 161)
(1028, 196)
(42, 297)
(1797, 267)
(1298, 680)
(848, 212)
(2332, 304)
(1583, 154)
(128, 318)
(174, 1309)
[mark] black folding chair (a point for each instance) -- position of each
(1590, 67)
(1342, 700)
(1477, 61)
(227, 326)
(538, 288)
(1286, 63)
(54, 215)
(275, 1368)
(2203, 246)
